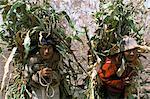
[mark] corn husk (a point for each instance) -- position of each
(90, 92)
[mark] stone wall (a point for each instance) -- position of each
(80, 12)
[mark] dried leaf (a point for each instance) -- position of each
(26, 43)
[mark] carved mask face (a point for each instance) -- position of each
(46, 51)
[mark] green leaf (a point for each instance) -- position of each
(116, 18)
(23, 88)
(131, 97)
(69, 38)
(5, 9)
(77, 38)
(61, 50)
(3, 2)
(40, 22)
(0, 50)
(35, 29)
(13, 7)
(105, 6)
(98, 14)
(132, 25)
(68, 19)
(108, 19)
(34, 8)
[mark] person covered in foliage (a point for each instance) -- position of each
(44, 74)
(132, 66)
(119, 69)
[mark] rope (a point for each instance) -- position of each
(40, 76)
(47, 85)
(47, 89)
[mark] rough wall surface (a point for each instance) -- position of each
(80, 12)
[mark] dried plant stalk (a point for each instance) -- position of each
(6, 68)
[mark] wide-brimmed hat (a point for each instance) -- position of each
(128, 43)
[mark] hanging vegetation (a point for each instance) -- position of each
(24, 23)
(115, 20)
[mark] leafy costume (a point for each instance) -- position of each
(25, 24)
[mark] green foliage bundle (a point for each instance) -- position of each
(115, 20)
(21, 17)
